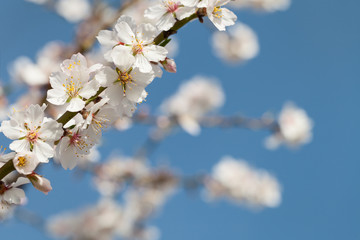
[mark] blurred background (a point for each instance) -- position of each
(309, 54)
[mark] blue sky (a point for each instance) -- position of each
(308, 54)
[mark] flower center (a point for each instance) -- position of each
(32, 136)
(71, 87)
(78, 142)
(171, 6)
(21, 161)
(138, 46)
(124, 79)
(217, 12)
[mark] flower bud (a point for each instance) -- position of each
(40, 183)
(169, 65)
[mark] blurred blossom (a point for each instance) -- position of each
(123, 123)
(34, 74)
(112, 175)
(262, 5)
(136, 11)
(295, 128)
(94, 223)
(237, 181)
(238, 44)
(193, 100)
(73, 10)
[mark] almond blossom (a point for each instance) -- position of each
(73, 84)
(25, 162)
(219, 16)
(237, 181)
(167, 12)
(32, 132)
(124, 82)
(193, 100)
(295, 128)
(73, 146)
(238, 44)
(99, 116)
(135, 41)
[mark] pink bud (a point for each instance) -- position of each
(169, 65)
(40, 183)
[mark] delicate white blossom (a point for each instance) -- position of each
(73, 84)
(236, 180)
(193, 100)
(125, 81)
(133, 41)
(32, 131)
(73, 146)
(238, 44)
(295, 128)
(219, 16)
(73, 10)
(166, 12)
(25, 162)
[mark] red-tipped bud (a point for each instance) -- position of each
(169, 65)
(40, 183)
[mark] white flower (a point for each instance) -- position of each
(25, 162)
(295, 128)
(73, 84)
(74, 146)
(193, 100)
(166, 12)
(240, 43)
(73, 10)
(236, 180)
(125, 81)
(219, 16)
(134, 41)
(100, 116)
(263, 5)
(32, 131)
(10, 194)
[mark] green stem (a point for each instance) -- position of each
(179, 24)
(7, 168)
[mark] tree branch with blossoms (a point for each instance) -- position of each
(86, 96)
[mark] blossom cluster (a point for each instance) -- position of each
(86, 94)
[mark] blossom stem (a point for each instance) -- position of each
(7, 168)
(179, 24)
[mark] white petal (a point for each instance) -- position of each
(124, 33)
(43, 151)
(106, 76)
(142, 63)
(122, 57)
(20, 145)
(107, 38)
(51, 131)
(12, 130)
(56, 97)
(184, 12)
(76, 104)
(89, 89)
(14, 196)
(155, 53)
